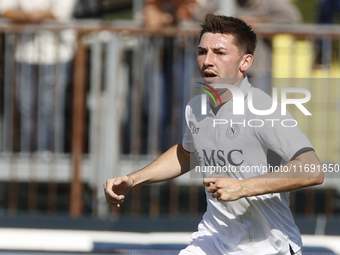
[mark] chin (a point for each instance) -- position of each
(211, 81)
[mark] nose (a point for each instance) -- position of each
(209, 59)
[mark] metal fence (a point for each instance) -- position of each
(122, 106)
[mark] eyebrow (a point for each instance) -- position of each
(218, 48)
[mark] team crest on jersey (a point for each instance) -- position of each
(233, 131)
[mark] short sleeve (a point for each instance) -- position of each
(283, 136)
(187, 141)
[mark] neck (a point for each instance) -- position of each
(225, 94)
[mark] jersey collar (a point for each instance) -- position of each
(245, 86)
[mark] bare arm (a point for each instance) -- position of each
(172, 163)
(229, 189)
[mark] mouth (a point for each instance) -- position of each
(209, 76)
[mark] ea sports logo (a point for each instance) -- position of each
(233, 131)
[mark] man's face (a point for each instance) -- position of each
(218, 57)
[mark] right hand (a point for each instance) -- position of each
(116, 188)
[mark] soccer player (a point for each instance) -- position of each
(247, 212)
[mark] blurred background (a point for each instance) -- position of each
(92, 89)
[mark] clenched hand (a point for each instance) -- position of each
(116, 188)
(223, 188)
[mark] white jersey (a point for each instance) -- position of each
(251, 225)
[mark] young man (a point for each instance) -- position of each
(249, 212)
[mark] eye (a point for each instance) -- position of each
(201, 52)
(221, 53)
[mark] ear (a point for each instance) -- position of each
(246, 62)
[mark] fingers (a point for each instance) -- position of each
(212, 188)
(113, 201)
(116, 188)
(216, 195)
(215, 187)
(110, 195)
(215, 192)
(208, 181)
(117, 181)
(226, 189)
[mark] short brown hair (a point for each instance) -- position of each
(245, 37)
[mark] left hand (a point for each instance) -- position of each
(223, 188)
